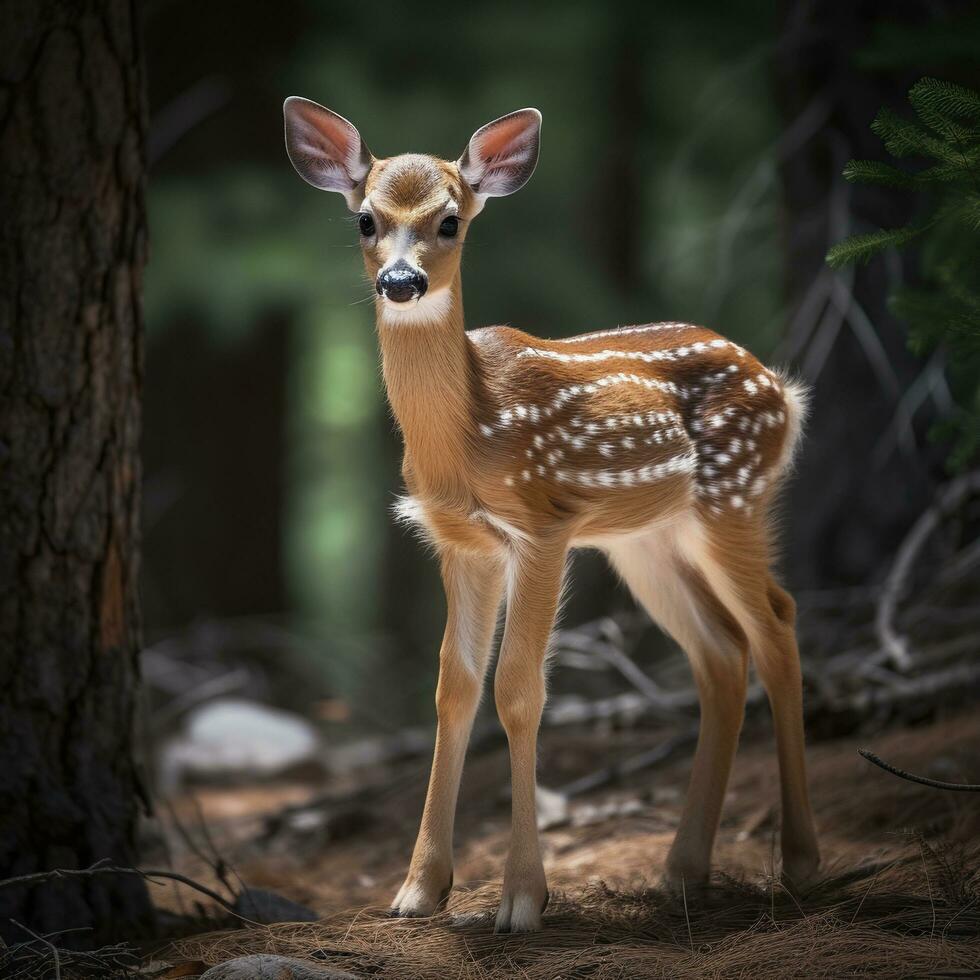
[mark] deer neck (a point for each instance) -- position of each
(430, 375)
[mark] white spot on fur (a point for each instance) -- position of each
(624, 331)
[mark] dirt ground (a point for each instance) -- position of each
(901, 897)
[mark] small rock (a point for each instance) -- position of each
(261, 905)
(232, 737)
(265, 966)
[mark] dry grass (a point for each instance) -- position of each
(918, 916)
(898, 902)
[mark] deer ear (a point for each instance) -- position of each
(326, 149)
(501, 156)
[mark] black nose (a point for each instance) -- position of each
(400, 282)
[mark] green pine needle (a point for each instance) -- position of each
(903, 138)
(967, 209)
(938, 104)
(861, 248)
(942, 173)
(946, 97)
(876, 172)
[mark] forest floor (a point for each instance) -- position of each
(901, 896)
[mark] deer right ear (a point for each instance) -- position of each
(326, 150)
(502, 155)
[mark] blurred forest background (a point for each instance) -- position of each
(690, 170)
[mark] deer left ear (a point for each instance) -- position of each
(326, 150)
(502, 155)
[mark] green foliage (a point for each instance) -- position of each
(875, 172)
(861, 248)
(943, 309)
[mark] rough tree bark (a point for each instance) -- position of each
(72, 250)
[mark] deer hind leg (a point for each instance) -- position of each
(736, 562)
(777, 660)
(473, 591)
(680, 599)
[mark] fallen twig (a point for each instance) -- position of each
(101, 867)
(44, 942)
(912, 778)
(41, 958)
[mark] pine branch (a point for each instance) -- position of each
(930, 110)
(946, 97)
(862, 248)
(943, 173)
(903, 138)
(876, 172)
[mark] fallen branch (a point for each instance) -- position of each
(912, 778)
(628, 707)
(617, 658)
(952, 495)
(101, 867)
(633, 764)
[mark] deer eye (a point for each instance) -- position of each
(449, 226)
(366, 224)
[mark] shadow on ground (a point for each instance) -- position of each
(918, 915)
(901, 897)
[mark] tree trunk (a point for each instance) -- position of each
(857, 489)
(72, 250)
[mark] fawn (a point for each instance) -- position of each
(662, 445)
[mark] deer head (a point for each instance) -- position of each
(413, 210)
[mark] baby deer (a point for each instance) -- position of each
(662, 445)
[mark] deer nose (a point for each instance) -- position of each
(401, 282)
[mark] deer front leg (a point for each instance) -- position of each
(519, 688)
(473, 588)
